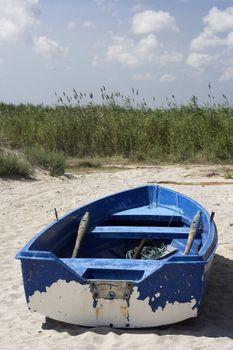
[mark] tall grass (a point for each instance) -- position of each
(11, 165)
(50, 160)
(123, 126)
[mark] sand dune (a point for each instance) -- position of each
(27, 206)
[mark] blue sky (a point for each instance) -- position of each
(161, 48)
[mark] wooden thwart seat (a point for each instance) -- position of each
(146, 217)
(139, 232)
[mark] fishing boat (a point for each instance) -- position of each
(138, 258)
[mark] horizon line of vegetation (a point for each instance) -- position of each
(122, 126)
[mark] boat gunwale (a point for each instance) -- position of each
(206, 251)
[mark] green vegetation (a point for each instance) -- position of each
(118, 127)
(11, 165)
(50, 160)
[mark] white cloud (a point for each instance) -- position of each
(168, 77)
(199, 60)
(216, 22)
(229, 40)
(151, 21)
(227, 74)
(89, 24)
(215, 43)
(144, 76)
(17, 17)
(127, 52)
(49, 48)
(95, 61)
(204, 40)
(71, 25)
(170, 57)
(219, 21)
(147, 50)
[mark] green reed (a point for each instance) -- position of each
(123, 126)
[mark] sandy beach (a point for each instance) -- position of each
(27, 206)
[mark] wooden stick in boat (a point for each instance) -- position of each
(193, 231)
(212, 216)
(55, 212)
(82, 229)
(139, 249)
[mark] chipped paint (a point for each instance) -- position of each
(124, 312)
(98, 310)
(73, 303)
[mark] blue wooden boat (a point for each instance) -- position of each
(101, 287)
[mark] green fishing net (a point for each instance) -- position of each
(152, 250)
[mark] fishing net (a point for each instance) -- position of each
(152, 250)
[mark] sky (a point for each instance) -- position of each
(162, 48)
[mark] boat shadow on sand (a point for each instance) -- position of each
(215, 320)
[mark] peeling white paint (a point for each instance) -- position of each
(73, 303)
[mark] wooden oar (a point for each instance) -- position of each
(193, 231)
(82, 229)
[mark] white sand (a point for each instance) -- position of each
(27, 206)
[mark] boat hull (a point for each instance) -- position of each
(72, 302)
(103, 288)
(170, 294)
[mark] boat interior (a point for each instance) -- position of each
(123, 232)
(119, 223)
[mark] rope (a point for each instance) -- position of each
(152, 250)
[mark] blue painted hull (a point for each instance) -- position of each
(101, 287)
